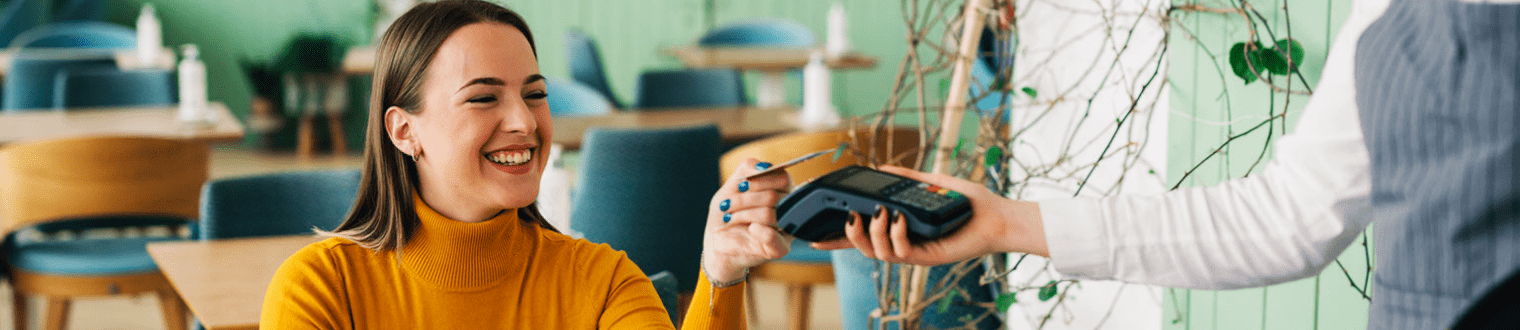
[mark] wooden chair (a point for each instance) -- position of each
(805, 267)
(87, 183)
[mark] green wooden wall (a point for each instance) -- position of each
(631, 34)
(1203, 117)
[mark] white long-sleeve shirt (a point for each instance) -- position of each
(1286, 223)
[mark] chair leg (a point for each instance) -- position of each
(20, 308)
(749, 303)
(304, 139)
(335, 131)
(174, 310)
(57, 313)
(800, 296)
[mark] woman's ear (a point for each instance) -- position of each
(398, 126)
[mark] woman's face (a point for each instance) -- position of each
(483, 126)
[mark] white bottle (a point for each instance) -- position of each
(839, 41)
(149, 37)
(817, 95)
(192, 87)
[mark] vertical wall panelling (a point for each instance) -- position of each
(1212, 104)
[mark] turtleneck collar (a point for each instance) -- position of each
(461, 256)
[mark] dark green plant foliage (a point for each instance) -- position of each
(1048, 291)
(1244, 57)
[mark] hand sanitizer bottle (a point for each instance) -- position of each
(149, 37)
(192, 87)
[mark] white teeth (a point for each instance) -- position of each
(511, 157)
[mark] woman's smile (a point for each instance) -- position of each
(514, 159)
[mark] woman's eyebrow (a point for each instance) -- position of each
(493, 81)
(533, 78)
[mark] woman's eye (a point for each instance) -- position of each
(536, 95)
(483, 99)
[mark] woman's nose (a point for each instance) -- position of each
(518, 118)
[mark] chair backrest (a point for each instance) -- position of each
(106, 87)
(586, 64)
(77, 34)
(59, 180)
(760, 33)
(986, 99)
(669, 289)
(32, 78)
(22, 15)
(571, 98)
(893, 146)
(690, 88)
(646, 191)
(80, 10)
(277, 204)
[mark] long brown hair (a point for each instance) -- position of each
(384, 215)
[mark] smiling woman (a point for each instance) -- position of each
(445, 233)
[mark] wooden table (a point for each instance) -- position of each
(764, 58)
(735, 123)
(223, 281)
(125, 58)
(359, 60)
(155, 121)
(772, 62)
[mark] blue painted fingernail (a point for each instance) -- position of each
(728, 217)
(762, 166)
(744, 186)
(723, 206)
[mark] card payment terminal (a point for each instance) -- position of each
(818, 211)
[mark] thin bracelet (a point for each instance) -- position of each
(716, 284)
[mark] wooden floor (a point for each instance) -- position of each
(142, 312)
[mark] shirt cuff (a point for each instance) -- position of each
(1077, 238)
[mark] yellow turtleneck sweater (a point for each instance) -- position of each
(502, 273)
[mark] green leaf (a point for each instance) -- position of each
(1294, 50)
(1048, 291)
(1006, 300)
(944, 87)
(944, 303)
(957, 150)
(1272, 60)
(840, 150)
(965, 318)
(1238, 62)
(994, 156)
(1031, 92)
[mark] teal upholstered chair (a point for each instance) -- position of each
(761, 32)
(105, 87)
(669, 289)
(646, 191)
(84, 185)
(277, 204)
(586, 65)
(78, 34)
(569, 98)
(33, 77)
(690, 88)
(21, 15)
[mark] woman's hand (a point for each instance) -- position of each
(741, 223)
(997, 225)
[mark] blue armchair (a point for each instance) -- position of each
(586, 64)
(646, 192)
(691, 88)
(104, 87)
(277, 204)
